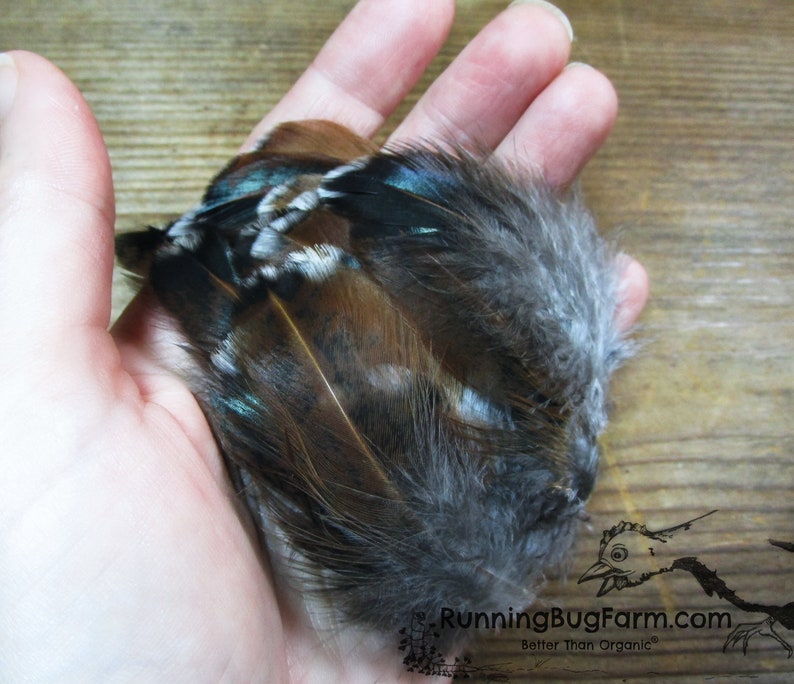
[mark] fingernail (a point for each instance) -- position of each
(556, 11)
(8, 83)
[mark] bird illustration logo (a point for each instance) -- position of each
(631, 554)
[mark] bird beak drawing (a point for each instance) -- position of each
(613, 578)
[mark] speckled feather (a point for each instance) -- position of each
(404, 356)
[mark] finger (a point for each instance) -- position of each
(632, 293)
(564, 126)
(367, 66)
(56, 204)
(483, 93)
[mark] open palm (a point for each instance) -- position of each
(123, 552)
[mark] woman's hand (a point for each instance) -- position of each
(123, 553)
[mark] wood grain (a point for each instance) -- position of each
(697, 182)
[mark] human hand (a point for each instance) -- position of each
(124, 552)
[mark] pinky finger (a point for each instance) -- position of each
(633, 292)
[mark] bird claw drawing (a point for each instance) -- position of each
(746, 630)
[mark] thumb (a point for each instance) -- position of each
(56, 205)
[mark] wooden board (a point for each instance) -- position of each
(696, 179)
